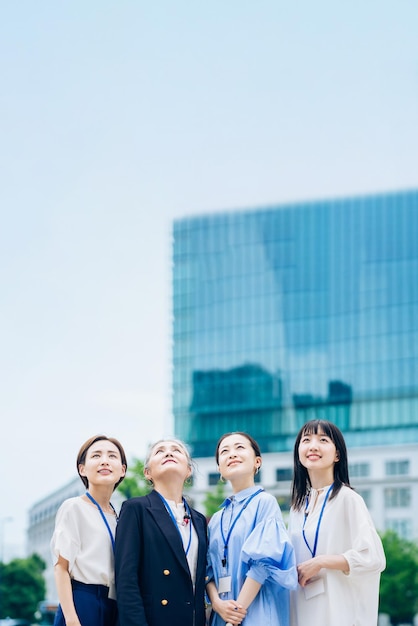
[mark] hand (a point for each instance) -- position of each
(308, 570)
(230, 611)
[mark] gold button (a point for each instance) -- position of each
(166, 572)
(164, 602)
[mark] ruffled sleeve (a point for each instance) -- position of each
(269, 554)
(65, 541)
(367, 555)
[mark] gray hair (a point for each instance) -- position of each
(178, 442)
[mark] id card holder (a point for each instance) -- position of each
(224, 585)
(314, 588)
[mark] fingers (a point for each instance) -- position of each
(235, 613)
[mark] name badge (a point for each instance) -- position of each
(224, 585)
(314, 588)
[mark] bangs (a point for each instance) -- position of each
(315, 427)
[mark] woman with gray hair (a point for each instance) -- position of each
(161, 543)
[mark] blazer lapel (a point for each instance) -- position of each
(169, 530)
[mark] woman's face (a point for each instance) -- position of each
(168, 459)
(236, 457)
(103, 464)
(317, 451)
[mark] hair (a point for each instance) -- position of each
(81, 456)
(252, 441)
(301, 482)
(179, 442)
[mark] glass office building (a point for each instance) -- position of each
(293, 312)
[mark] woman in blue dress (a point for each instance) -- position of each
(251, 563)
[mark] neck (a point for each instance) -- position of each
(239, 484)
(102, 496)
(319, 480)
(170, 492)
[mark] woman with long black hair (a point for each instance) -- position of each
(338, 551)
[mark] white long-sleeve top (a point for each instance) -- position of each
(346, 528)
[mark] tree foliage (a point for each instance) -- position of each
(22, 587)
(399, 581)
(214, 499)
(135, 484)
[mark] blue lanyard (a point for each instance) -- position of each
(226, 540)
(186, 517)
(313, 552)
(112, 539)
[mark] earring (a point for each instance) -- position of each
(221, 479)
(257, 469)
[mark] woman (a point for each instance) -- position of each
(338, 551)
(161, 547)
(83, 539)
(251, 565)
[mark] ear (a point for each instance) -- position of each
(337, 457)
(147, 473)
(123, 473)
(81, 470)
(258, 462)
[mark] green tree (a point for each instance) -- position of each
(399, 581)
(214, 499)
(135, 484)
(22, 587)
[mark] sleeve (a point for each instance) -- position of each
(366, 555)
(268, 552)
(209, 567)
(65, 541)
(127, 557)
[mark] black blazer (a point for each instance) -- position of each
(153, 583)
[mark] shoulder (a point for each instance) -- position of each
(267, 500)
(268, 507)
(71, 511)
(71, 504)
(139, 502)
(265, 496)
(349, 494)
(350, 499)
(215, 518)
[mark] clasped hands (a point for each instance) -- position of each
(230, 611)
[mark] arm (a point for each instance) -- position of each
(248, 592)
(128, 555)
(267, 551)
(309, 569)
(65, 592)
(230, 610)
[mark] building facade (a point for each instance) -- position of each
(309, 310)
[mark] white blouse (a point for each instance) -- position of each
(188, 535)
(81, 537)
(346, 528)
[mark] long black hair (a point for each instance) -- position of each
(301, 482)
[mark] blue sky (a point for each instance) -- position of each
(118, 117)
